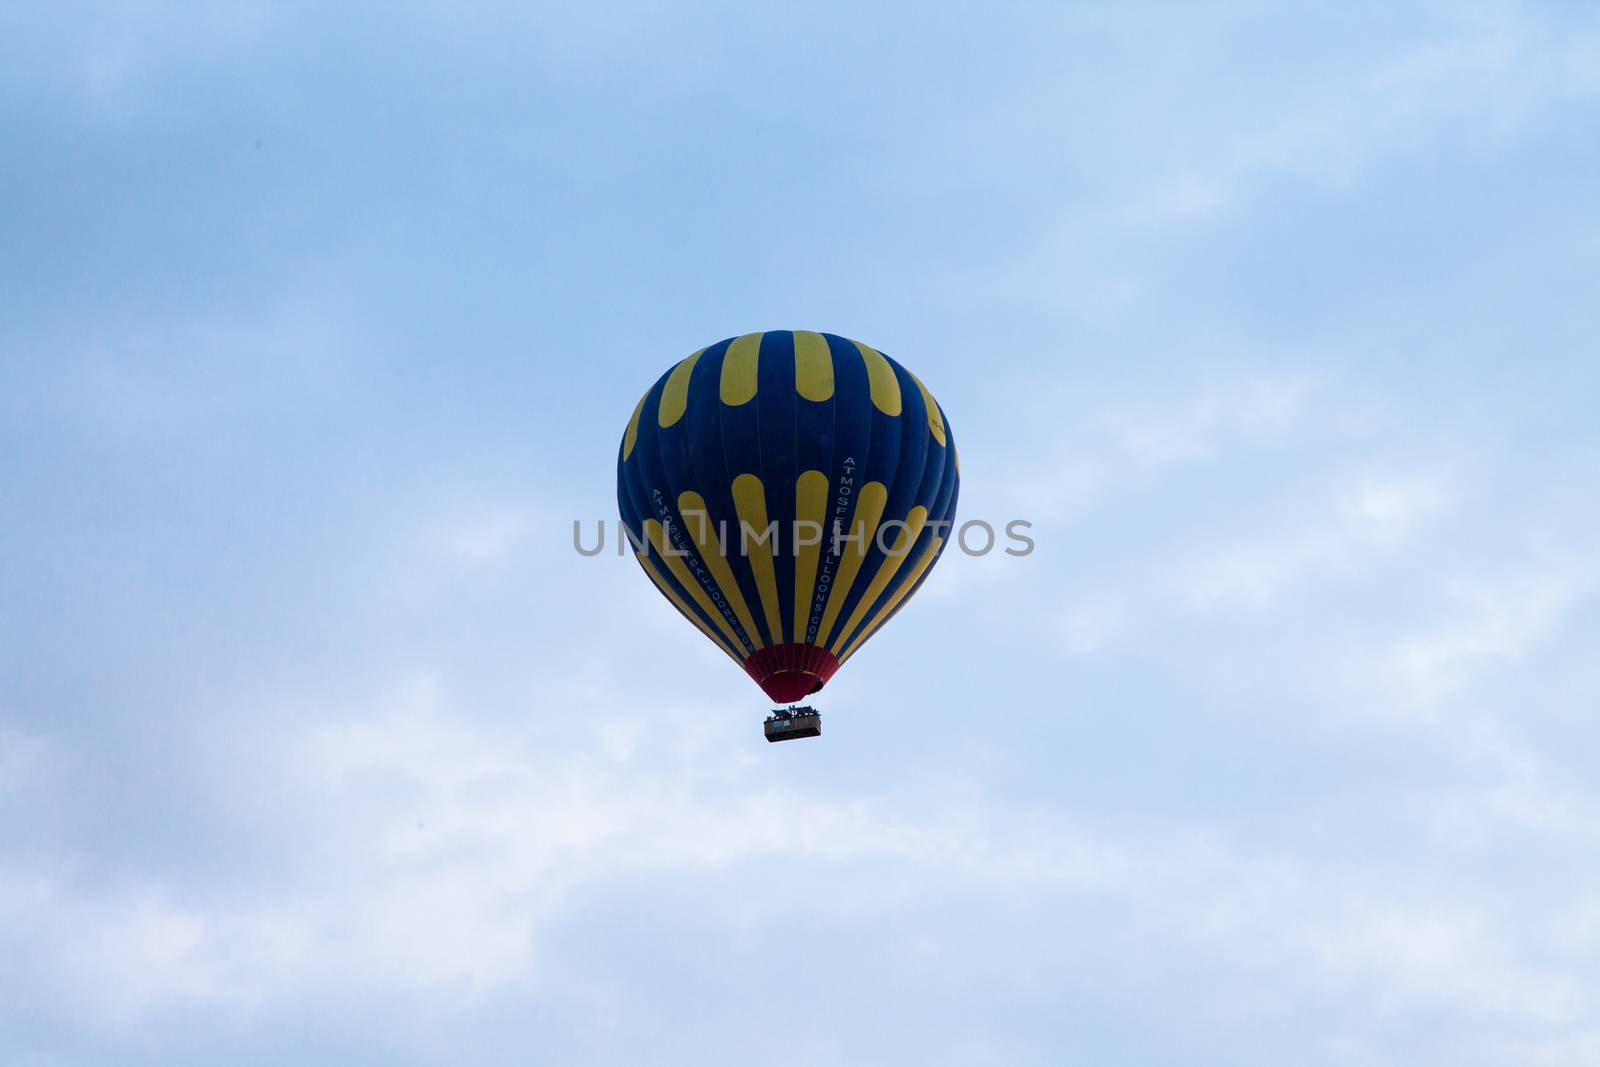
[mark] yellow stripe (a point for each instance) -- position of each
(880, 376)
(675, 564)
(688, 613)
(633, 427)
(886, 571)
(935, 417)
(739, 370)
(810, 504)
(813, 365)
(704, 533)
(675, 394)
(750, 501)
(899, 594)
(869, 509)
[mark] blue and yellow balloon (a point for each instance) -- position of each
(788, 492)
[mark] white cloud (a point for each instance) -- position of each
(23, 760)
(1192, 427)
(1447, 955)
(1132, 442)
(446, 851)
(1489, 618)
(490, 538)
(111, 56)
(1492, 75)
(1093, 624)
(1389, 508)
(1333, 531)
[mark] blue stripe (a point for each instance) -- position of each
(905, 483)
(657, 451)
(852, 439)
(633, 499)
(780, 438)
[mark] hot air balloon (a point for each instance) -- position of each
(788, 492)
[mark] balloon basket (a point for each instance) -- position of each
(792, 723)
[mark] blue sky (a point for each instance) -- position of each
(319, 744)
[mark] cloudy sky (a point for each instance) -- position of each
(320, 745)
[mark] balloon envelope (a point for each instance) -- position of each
(788, 492)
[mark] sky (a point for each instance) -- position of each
(319, 744)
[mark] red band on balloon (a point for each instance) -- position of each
(791, 672)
